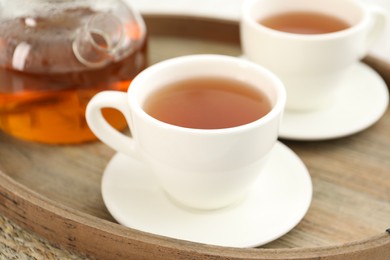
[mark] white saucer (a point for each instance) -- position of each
(278, 202)
(362, 102)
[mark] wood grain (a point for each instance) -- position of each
(55, 190)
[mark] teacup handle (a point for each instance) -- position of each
(102, 129)
(380, 19)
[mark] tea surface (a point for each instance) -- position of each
(207, 103)
(305, 23)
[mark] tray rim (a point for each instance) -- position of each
(77, 227)
(24, 206)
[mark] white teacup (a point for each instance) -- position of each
(199, 168)
(312, 66)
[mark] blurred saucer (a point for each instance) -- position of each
(363, 101)
(279, 200)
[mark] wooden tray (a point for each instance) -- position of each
(55, 190)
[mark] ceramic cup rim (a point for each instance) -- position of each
(249, 19)
(146, 75)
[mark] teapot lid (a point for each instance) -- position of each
(58, 36)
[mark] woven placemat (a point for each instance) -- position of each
(17, 243)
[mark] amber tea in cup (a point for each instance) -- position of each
(207, 103)
(304, 22)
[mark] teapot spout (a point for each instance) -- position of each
(98, 42)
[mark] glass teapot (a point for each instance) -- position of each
(55, 55)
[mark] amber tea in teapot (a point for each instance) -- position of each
(55, 57)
